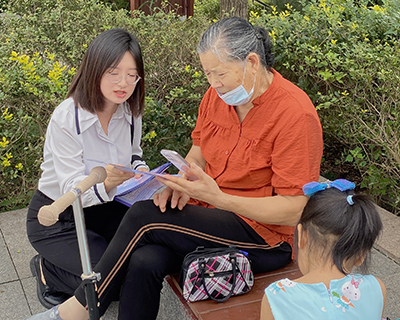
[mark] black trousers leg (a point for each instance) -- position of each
(58, 244)
(181, 232)
(143, 262)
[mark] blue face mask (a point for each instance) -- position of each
(239, 95)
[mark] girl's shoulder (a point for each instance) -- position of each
(354, 296)
(363, 283)
(352, 280)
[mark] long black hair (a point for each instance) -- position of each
(344, 231)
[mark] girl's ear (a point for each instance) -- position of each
(302, 236)
(360, 260)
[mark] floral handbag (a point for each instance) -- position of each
(216, 273)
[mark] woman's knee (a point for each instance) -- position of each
(153, 260)
(143, 212)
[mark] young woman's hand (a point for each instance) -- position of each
(115, 177)
(143, 169)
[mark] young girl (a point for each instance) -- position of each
(99, 123)
(335, 233)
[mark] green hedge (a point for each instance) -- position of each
(345, 56)
(41, 45)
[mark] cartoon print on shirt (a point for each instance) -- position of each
(279, 285)
(288, 283)
(350, 292)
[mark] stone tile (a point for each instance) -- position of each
(13, 227)
(112, 312)
(13, 304)
(7, 271)
(389, 272)
(170, 305)
(29, 287)
(382, 266)
(392, 283)
(389, 241)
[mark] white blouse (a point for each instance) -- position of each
(75, 143)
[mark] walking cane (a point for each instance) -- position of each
(48, 215)
(89, 278)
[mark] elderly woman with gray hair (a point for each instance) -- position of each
(257, 141)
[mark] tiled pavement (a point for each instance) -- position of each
(18, 288)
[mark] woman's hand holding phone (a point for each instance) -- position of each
(179, 162)
(180, 190)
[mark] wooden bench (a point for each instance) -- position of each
(246, 306)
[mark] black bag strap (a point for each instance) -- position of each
(232, 259)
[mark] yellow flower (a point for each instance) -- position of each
(306, 18)
(334, 41)
(377, 8)
(272, 34)
(19, 166)
(6, 115)
(254, 14)
(4, 142)
(72, 71)
(187, 68)
(24, 59)
(8, 155)
(153, 134)
(6, 163)
(284, 14)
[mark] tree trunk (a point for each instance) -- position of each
(237, 8)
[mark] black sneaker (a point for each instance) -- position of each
(46, 297)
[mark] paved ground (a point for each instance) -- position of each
(18, 288)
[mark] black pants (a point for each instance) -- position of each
(58, 244)
(149, 245)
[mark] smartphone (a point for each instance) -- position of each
(179, 162)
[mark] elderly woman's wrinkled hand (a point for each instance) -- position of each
(180, 189)
(178, 199)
